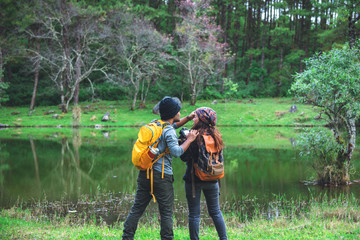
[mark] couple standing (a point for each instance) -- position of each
(204, 121)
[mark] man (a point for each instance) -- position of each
(163, 187)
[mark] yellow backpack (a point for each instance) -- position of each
(143, 157)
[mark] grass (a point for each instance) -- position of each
(261, 137)
(265, 111)
(321, 219)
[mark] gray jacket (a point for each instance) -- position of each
(168, 139)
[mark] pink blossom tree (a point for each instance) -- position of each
(201, 54)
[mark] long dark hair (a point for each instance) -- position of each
(205, 128)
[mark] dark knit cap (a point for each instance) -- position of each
(168, 108)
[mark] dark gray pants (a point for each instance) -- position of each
(164, 194)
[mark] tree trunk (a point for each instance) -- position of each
(236, 38)
(350, 149)
(133, 104)
(249, 33)
(77, 71)
(63, 104)
(262, 59)
(1, 66)
(193, 90)
(351, 29)
(36, 78)
(193, 96)
(316, 30)
(172, 20)
(66, 46)
(281, 57)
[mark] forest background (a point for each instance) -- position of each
(57, 51)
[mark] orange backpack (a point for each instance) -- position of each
(210, 164)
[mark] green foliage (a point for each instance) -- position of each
(211, 92)
(230, 88)
(103, 91)
(291, 33)
(331, 81)
(3, 96)
(320, 148)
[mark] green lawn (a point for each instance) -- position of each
(266, 111)
(323, 221)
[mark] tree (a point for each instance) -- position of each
(331, 82)
(282, 40)
(349, 12)
(201, 55)
(73, 45)
(139, 52)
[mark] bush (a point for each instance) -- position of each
(3, 96)
(321, 149)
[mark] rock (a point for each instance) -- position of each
(280, 113)
(3, 125)
(93, 118)
(214, 102)
(156, 107)
(49, 112)
(16, 123)
(15, 113)
(293, 141)
(318, 117)
(106, 134)
(106, 117)
(293, 109)
(56, 116)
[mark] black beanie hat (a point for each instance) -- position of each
(168, 108)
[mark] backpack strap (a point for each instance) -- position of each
(150, 171)
(193, 178)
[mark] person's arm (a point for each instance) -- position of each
(173, 145)
(186, 119)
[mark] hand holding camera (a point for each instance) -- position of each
(187, 134)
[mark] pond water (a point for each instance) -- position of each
(58, 164)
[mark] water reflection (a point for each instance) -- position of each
(65, 165)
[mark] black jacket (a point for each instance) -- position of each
(189, 156)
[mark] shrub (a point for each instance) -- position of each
(322, 150)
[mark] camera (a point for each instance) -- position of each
(183, 132)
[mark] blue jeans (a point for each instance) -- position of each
(211, 193)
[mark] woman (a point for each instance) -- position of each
(204, 121)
